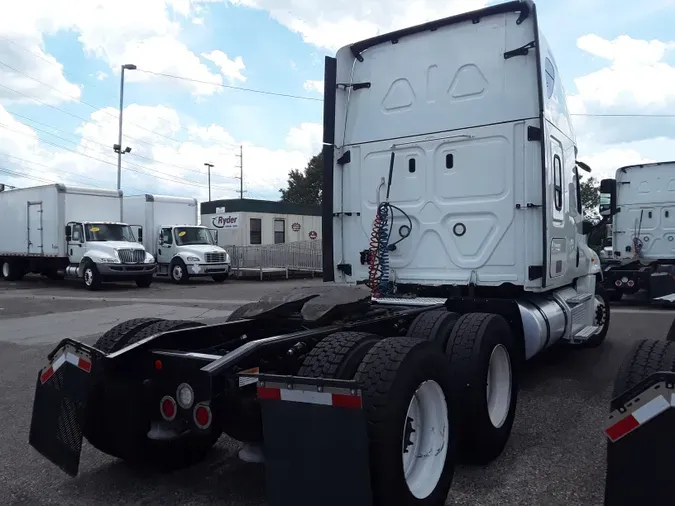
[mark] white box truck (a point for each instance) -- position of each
(183, 248)
(57, 230)
(640, 200)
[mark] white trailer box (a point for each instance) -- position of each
(35, 223)
(182, 247)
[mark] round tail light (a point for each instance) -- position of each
(631, 283)
(167, 407)
(202, 416)
(618, 282)
(185, 396)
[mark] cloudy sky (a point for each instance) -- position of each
(59, 84)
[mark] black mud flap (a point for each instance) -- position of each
(641, 444)
(662, 287)
(316, 444)
(59, 406)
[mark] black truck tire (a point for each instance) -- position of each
(602, 317)
(393, 373)
(144, 281)
(338, 355)
(671, 332)
(644, 358)
(118, 419)
(484, 352)
(433, 326)
(116, 338)
(178, 272)
(91, 278)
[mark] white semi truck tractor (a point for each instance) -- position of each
(641, 203)
(454, 250)
(183, 248)
(65, 231)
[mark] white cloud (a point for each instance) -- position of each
(330, 25)
(146, 33)
(229, 68)
(156, 163)
(22, 55)
(316, 86)
(100, 76)
(637, 80)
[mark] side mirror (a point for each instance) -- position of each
(586, 227)
(140, 234)
(69, 233)
(608, 197)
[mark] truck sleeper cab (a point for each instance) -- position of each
(640, 201)
(454, 250)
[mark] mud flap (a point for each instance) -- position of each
(59, 405)
(316, 444)
(662, 287)
(641, 444)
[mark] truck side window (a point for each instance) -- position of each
(166, 236)
(557, 183)
(578, 190)
(77, 233)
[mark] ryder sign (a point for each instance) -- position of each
(226, 221)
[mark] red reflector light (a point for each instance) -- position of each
(83, 364)
(272, 394)
(158, 365)
(347, 401)
(168, 408)
(47, 374)
(202, 416)
(621, 428)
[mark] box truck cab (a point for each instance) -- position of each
(59, 230)
(183, 248)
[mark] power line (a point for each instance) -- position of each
(175, 179)
(625, 115)
(102, 145)
(240, 88)
(116, 116)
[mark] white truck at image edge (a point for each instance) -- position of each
(640, 201)
(58, 230)
(182, 248)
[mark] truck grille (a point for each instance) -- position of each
(131, 256)
(215, 258)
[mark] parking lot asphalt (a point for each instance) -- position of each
(556, 454)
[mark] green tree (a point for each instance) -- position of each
(305, 187)
(590, 195)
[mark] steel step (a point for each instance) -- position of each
(579, 298)
(586, 332)
(409, 301)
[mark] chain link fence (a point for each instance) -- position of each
(291, 259)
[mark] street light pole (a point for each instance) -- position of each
(209, 165)
(119, 137)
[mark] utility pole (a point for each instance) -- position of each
(209, 165)
(241, 171)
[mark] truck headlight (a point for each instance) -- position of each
(149, 258)
(193, 259)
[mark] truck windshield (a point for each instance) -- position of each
(108, 232)
(192, 235)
